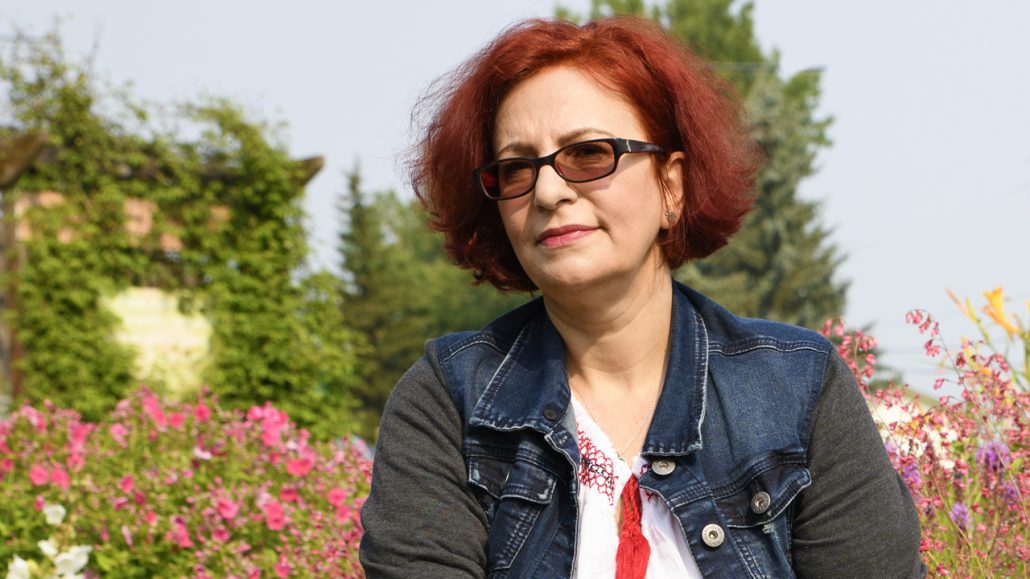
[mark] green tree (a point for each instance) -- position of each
(399, 290)
(782, 264)
(383, 301)
(277, 332)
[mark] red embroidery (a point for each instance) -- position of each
(596, 469)
(643, 469)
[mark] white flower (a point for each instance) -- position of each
(54, 514)
(18, 569)
(73, 560)
(48, 547)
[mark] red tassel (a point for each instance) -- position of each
(634, 551)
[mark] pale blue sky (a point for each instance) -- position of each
(927, 184)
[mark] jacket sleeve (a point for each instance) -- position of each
(857, 519)
(420, 519)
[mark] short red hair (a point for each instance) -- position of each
(682, 104)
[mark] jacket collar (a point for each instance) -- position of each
(530, 388)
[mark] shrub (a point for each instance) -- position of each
(177, 490)
(962, 458)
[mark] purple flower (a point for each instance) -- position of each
(993, 455)
(960, 516)
(911, 475)
(1010, 493)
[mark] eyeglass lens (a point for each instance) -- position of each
(576, 163)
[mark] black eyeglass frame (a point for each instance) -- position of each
(619, 147)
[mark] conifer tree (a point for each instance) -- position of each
(782, 264)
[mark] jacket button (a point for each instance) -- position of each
(760, 502)
(663, 467)
(551, 414)
(712, 535)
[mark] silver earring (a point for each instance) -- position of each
(670, 216)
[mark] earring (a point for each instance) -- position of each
(670, 216)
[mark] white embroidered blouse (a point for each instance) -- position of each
(602, 476)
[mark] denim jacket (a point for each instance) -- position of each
(731, 430)
(476, 468)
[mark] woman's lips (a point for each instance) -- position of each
(567, 235)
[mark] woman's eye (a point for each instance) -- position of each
(590, 152)
(509, 172)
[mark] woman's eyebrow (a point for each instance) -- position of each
(567, 138)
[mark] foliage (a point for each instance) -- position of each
(183, 489)
(229, 201)
(399, 290)
(781, 265)
(63, 557)
(964, 458)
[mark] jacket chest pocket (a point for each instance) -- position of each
(512, 494)
(758, 509)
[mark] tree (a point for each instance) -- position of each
(782, 264)
(399, 290)
(231, 200)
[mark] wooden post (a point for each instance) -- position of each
(16, 156)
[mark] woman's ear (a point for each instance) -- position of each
(672, 180)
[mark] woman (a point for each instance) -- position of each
(621, 424)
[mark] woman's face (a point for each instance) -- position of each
(576, 235)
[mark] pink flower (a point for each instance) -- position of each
(226, 509)
(180, 534)
(76, 461)
(221, 534)
(300, 466)
(288, 494)
(6, 465)
(270, 437)
(201, 412)
(118, 432)
(39, 475)
(35, 418)
(282, 568)
(59, 477)
(127, 484)
(176, 420)
(127, 535)
(150, 517)
(77, 433)
(337, 496)
(275, 517)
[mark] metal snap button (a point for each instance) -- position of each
(713, 535)
(663, 467)
(760, 502)
(551, 414)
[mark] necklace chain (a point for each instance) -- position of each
(640, 426)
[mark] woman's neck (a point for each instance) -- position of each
(616, 339)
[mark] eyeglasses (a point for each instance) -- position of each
(576, 163)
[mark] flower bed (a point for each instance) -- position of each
(194, 490)
(178, 490)
(963, 458)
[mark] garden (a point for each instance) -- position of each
(192, 489)
(262, 472)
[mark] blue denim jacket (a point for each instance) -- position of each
(733, 422)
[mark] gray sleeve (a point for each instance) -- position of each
(857, 519)
(420, 519)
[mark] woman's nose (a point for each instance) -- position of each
(551, 190)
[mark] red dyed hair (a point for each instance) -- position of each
(681, 103)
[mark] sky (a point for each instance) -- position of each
(926, 186)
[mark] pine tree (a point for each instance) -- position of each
(381, 303)
(782, 263)
(399, 289)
